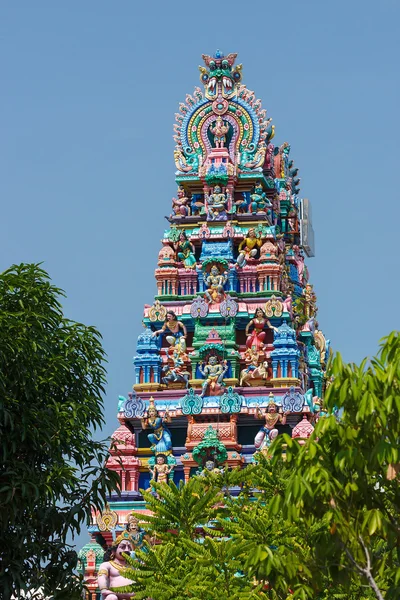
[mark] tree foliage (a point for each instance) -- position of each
(51, 470)
(348, 472)
(319, 521)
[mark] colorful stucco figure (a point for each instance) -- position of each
(231, 334)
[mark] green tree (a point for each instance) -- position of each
(52, 471)
(347, 475)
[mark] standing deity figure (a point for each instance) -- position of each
(215, 281)
(310, 300)
(161, 470)
(174, 328)
(136, 533)
(160, 439)
(219, 130)
(216, 204)
(185, 251)
(287, 304)
(180, 204)
(269, 432)
(213, 372)
(299, 259)
(259, 201)
(110, 576)
(248, 247)
(255, 339)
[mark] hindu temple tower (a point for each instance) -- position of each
(231, 353)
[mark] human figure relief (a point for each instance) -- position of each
(256, 338)
(215, 281)
(213, 372)
(269, 431)
(219, 130)
(185, 251)
(173, 327)
(161, 470)
(110, 575)
(160, 439)
(259, 201)
(216, 204)
(180, 204)
(248, 247)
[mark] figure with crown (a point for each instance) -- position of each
(219, 131)
(111, 571)
(272, 418)
(216, 204)
(160, 439)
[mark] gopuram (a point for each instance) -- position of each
(231, 354)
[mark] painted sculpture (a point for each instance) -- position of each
(256, 338)
(185, 251)
(161, 470)
(213, 372)
(180, 204)
(174, 328)
(259, 201)
(160, 439)
(215, 280)
(110, 573)
(232, 333)
(248, 247)
(216, 204)
(269, 431)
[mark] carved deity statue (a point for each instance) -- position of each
(219, 130)
(161, 470)
(173, 327)
(160, 439)
(175, 371)
(213, 372)
(137, 534)
(215, 281)
(110, 576)
(216, 204)
(255, 339)
(180, 205)
(259, 201)
(269, 432)
(185, 251)
(248, 247)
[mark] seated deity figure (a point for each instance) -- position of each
(213, 371)
(215, 281)
(180, 205)
(256, 338)
(248, 247)
(219, 130)
(269, 431)
(173, 327)
(259, 201)
(185, 251)
(216, 205)
(110, 576)
(160, 439)
(161, 470)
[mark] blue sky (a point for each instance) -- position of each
(89, 92)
